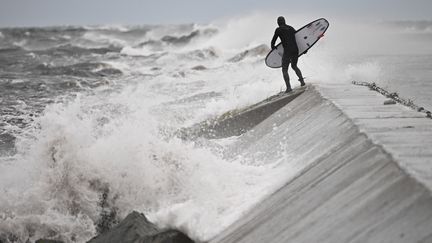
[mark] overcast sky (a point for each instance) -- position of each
(88, 12)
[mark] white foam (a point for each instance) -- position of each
(139, 51)
(174, 182)
(100, 38)
(20, 43)
(115, 27)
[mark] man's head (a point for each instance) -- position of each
(281, 20)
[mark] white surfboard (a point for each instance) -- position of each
(306, 37)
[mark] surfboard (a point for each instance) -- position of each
(306, 37)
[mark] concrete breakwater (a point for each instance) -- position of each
(362, 171)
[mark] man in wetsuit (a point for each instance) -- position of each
(286, 34)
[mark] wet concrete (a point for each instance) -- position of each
(361, 171)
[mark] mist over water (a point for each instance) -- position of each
(89, 115)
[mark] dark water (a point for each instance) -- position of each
(39, 65)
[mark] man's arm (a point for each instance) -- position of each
(273, 41)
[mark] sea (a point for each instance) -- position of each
(89, 116)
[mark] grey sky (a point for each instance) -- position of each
(78, 12)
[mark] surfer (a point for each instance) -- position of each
(286, 34)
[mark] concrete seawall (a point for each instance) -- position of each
(360, 171)
(237, 122)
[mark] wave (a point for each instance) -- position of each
(156, 51)
(258, 51)
(185, 39)
(25, 97)
(114, 28)
(179, 40)
(41, 32)
(72, 50)
(9, 49)
(42, 36)
(76, 175)
(208, 53)
(51, 37)
(85, 69)
(116, 37)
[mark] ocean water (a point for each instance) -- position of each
(89, 116)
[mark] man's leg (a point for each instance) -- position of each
(294, 61)
(285, 64)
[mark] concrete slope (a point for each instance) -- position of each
(404, 133)
(237, 122)
(343, 185)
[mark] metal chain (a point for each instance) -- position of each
(394, 96)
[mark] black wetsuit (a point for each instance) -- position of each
(287, 35)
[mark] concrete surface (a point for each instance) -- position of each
(360, 171)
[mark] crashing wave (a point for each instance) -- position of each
(180, 40)
(208, 53)
(260, 50)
